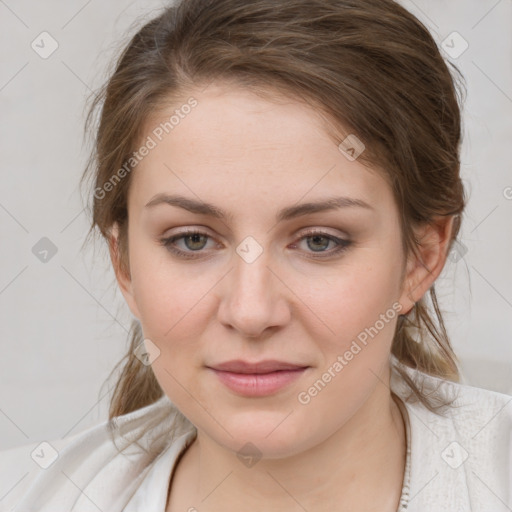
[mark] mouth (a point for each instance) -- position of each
(257, 379)
(267, 366)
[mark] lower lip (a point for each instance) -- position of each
(258, 384)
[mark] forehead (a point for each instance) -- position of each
(236, 143)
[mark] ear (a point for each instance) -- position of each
(122, 276)
(422, 270)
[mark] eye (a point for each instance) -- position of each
(195, 241)
(318, 242)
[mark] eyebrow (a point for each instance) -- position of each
(203, 208)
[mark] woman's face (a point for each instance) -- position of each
(267, 278)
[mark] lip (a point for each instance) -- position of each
(263, 378)
(267, 366)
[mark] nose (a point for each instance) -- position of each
(253, 298)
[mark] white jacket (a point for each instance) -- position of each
(458, 463)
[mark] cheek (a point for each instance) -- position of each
(173, 314)
(172, 308)
(164, 291)
(361, 309)
(353, 297)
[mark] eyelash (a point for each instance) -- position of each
(169, 241)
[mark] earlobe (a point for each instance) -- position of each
(425, 267)
(122, 274)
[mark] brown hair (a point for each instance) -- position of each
(369, 66)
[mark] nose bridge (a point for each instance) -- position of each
(251, 271)
(251, 300)
(253, 277)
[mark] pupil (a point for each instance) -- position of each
(195, 238)
(319, 237)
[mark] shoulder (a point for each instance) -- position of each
(461, 456)
(96, 463)
(480, 417)
(478, 414)
(20, 466)
(470, 407)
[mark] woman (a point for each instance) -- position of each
(278, 183)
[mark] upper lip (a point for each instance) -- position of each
(267, 366)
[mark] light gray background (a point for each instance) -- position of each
(64, 323)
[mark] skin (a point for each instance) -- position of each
(252, 157)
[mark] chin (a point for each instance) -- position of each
(265, 435)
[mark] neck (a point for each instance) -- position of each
(367, 452)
